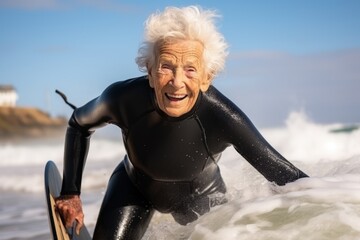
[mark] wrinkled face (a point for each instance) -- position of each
(178, 75)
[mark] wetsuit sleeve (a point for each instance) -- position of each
(75, 153)
(262, 156)
(237, 130)
(82, 124)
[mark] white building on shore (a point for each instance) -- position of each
(8, 96)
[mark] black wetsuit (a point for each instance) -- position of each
(171, 164)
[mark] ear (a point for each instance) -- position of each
(150, 76)
(205, 84)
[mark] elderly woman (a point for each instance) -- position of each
(175, 125)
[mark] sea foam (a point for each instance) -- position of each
(324, 206)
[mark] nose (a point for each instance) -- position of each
(178, 79)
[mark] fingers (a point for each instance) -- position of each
(79, 224)
(70, 209)
(69, 215)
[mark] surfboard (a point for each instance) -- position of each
(52, 179)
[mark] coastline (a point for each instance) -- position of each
(26, 123)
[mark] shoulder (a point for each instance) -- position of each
(217, 101)
(127, 87)
(127, 100)
(218, 106)
(228, 120)
(119, 104)
(127, 91)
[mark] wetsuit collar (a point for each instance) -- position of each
(174, 119)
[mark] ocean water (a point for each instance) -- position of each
(324, 206)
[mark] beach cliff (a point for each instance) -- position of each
(28, 122)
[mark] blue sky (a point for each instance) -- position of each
(284, 55)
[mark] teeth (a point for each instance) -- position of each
(178, 96)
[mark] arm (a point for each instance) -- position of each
(76, 148)
(263, 157)
(115, 105)
(238, 130)
(81, 125)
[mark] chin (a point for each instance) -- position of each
(172, 114)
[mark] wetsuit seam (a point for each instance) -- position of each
(204, 139)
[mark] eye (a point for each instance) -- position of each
(164, 65)
(191, 71)
(165, 68)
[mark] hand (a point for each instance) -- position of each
(70, 209)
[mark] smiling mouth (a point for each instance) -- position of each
(175, 97)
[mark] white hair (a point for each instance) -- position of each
(188, 23)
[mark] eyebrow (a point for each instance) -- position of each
(170, 59)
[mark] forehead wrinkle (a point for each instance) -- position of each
(181, 52)
(186, 57)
